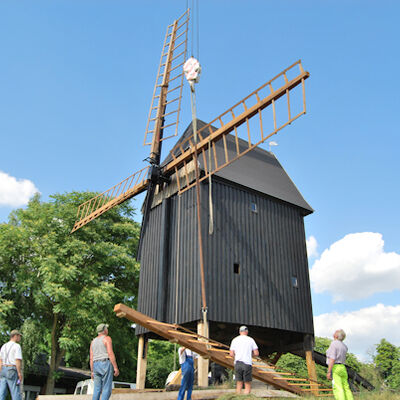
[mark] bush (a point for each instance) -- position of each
(160, 363)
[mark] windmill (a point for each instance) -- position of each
(184, 276)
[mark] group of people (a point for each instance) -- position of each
(243, 348)
(103, 365)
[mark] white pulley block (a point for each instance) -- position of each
(192, 70)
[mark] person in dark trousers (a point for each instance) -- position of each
(218, 373)
(243, 348)
(186, 359)
(102, 363)
(10, 367)
(336, 359)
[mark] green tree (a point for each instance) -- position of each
(352, 361)
(160, 363)
(394, 378)
(372, 375)
(291, 362)
(387, 360)
(34, 346)
(66, 284)
(322, 344)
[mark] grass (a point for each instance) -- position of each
(382, 395)
(234, 396)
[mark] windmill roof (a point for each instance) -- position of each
(258, 170)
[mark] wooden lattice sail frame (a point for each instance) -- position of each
(168, 87)
(282, 86)
(232, 119)
(219, 353)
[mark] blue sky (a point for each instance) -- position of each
(76, 80)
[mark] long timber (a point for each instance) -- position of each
(206, 348)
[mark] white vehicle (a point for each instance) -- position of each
(87, 386)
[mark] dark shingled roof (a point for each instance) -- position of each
(258, 169)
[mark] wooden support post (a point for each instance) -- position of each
(141, 362)
(202, 363)
(312, 373)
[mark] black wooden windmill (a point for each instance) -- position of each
(222, 233)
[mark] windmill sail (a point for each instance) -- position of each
(167, 95)
(126, 189)
(287, 89)
(287, 103)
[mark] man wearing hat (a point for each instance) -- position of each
(10, 367)
(243, 348)
(102, 363)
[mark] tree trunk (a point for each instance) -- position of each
(55, 356)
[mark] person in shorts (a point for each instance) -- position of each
(243, 348)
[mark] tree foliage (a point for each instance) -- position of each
(63, 285)
(387, 361)
(160, 363)
(372, 375)
(57, 287)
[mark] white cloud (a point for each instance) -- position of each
(15, 192)
(364, 328)
(312, 247)
(356, 267)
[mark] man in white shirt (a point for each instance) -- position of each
(243, 348)
(10, 367)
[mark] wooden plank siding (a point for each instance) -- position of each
(268, 245)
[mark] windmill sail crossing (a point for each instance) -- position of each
(238, 120)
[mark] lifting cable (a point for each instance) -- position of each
(178, 245)
(195, 79)
(192, 71)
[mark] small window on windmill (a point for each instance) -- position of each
(253, 207)
(236, 268)
(295, 282)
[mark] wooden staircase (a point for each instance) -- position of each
(219, 353)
